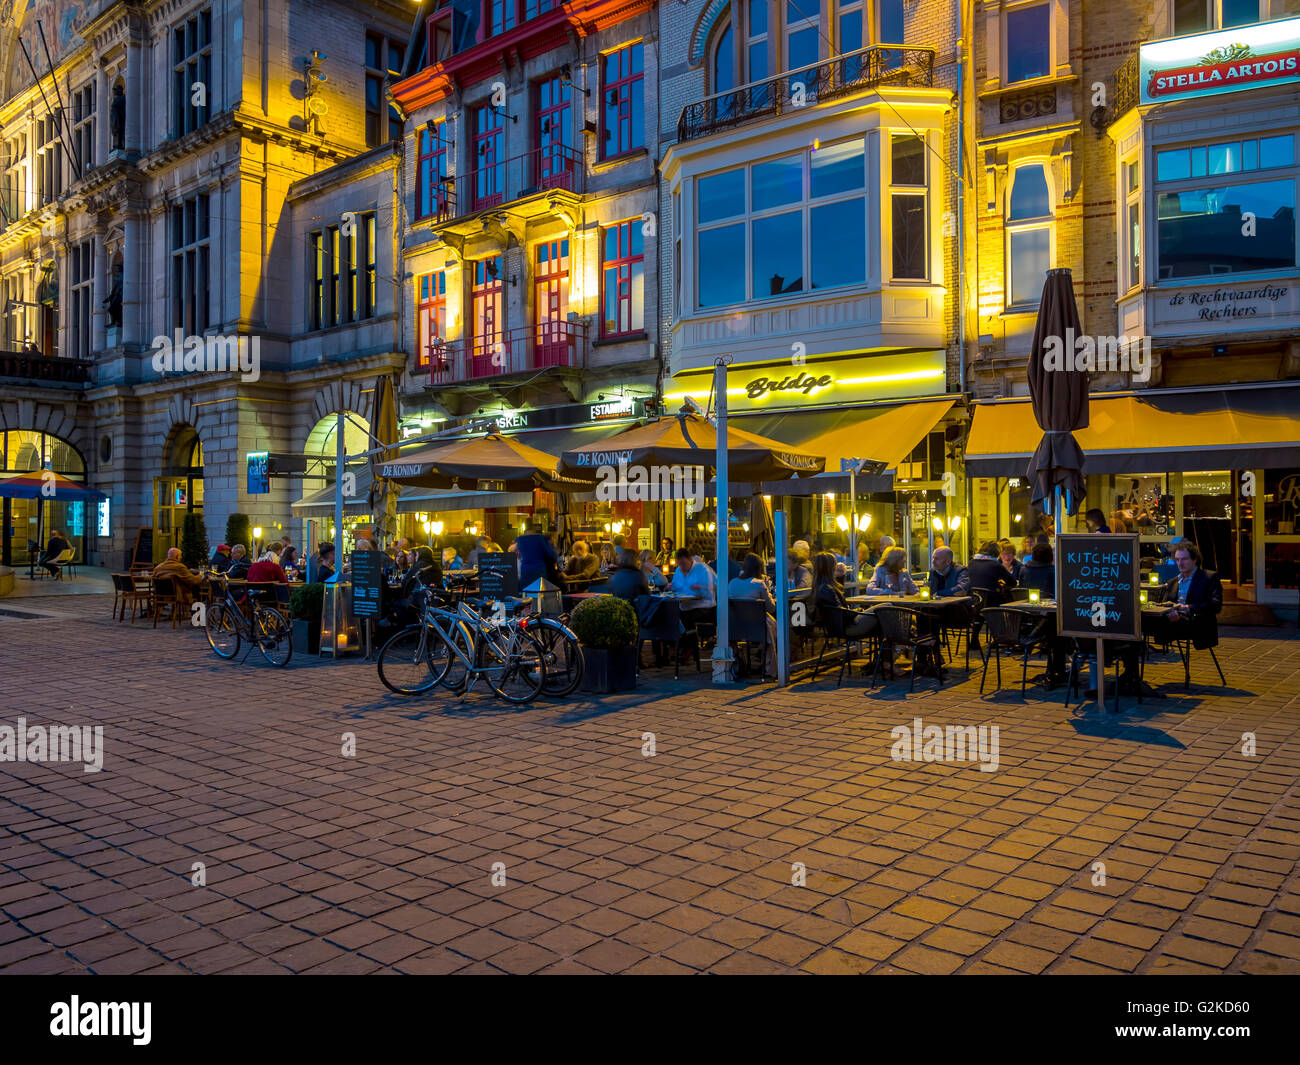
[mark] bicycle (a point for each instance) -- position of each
(226, 625)
(456, 647)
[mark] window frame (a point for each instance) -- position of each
(1213, 18)
(430, 308)
(1052, 31)
(431, 169)
(899, 189)
(618, 265)
(634, 83)
(1131, 252)
(83, 106)
(343, 275)
(81, 292)
(380, 76)
(191, 263)
(1012, 229)
(191, 64)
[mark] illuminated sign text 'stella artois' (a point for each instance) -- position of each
(1207, 64)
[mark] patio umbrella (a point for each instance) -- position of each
(383, 491)
(46, 484)
(491, 463)
(1060, 398)
(687, 439)
(762, 527)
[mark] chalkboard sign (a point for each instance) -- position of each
(368, 582)
(498, 575)
(1097, 584)
(142, 553)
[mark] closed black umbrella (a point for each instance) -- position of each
(762, 527)
(1060, 398)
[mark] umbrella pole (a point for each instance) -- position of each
(722, 661)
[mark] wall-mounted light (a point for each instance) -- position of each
(494, 272)
(566, 79)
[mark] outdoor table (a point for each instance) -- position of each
(929, 604)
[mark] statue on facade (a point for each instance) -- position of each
(117, 118)
(113, 303)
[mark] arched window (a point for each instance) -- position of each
(724, 62)
(1029, 224)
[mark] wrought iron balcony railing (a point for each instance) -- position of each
(1125, 91)
(819, 83)
(44, 368)
(493, 184)
(533, 347)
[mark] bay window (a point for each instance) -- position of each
(796, 222)
(1029, 224)
(1211, 222)
(908, 192)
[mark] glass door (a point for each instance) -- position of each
(551, 304)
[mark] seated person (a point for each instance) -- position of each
(424, 572)
(988, 575)
(1007, 556)
(666, 552)
(180, 574)
(628, 580)
(322, 567)
(220, 560)
(749, 584)
(946, 577)
(828, 595)
(484, 545)
(451, 559)
(873, 560)
(582, 564)
(693, 581)
(1196, 598)
(801, 573)
(733, 568)
(654, 574)
(239, 563)
(57, 545)
(891, 575)
(267, 568)
(1039, 573)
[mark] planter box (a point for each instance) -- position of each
(305, 636)
(607, 671)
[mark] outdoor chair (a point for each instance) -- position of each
(1008, 630)
(955, 619)
(127, 593)
(835, 621)
(973, 631)
(164, 593)
(660, 621)
(902, 626)
(65, 560)
(747, 624)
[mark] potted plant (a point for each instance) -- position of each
(194, 541)
(239, 530)
(607, 629)
(306, 604)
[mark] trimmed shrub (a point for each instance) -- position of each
(605, 621)
(194, 541)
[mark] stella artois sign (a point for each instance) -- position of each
(1225, 61)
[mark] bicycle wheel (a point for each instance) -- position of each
(222, 631)
(513, 662)
(404, 664)
(271, 631)
(562, 655)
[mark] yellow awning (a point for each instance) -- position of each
(887, 435)
(1160, 433)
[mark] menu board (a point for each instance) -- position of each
(498, 575)
(1097, 583)
(368, 582)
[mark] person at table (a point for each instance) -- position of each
(451, 560)
(57, 545)
(828, 595)
(749, 584)
(1096, 521)
(1026, 549)
(1007, 556)
(239, 563)
(989, 576)
(628, 579)
(734, 568)
(666, 552)
(220, 560)
(180, 574)
(801, 573)
(484, 545)
(289, 557)
(607, 559)
(537, 560)
(891, 575)
(582, 564)
(1197, 598)
(946, 577)
(266, 568)
(1039, 573)
(321, 566)
(694, 581)
(653, 574)
(884, 544)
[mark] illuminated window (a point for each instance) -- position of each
(49, 160)
(82, 106)
(622, 279)
(81, 279)
(489, 157)
(909, 233)
(1028, 47)
(1029, 226)
(343, 279)
(431, 297)
(431, 172)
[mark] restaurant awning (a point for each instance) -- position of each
(1165, 432)
(409, 500)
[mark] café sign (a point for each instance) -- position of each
(1207, 64)
(820, 382)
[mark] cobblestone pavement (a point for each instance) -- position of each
(618, 862)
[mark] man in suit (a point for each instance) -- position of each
(1196, 597)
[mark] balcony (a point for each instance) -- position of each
(523, 350)
(1125, 89)
(41, 368)
(528, 183)
(866, 68)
